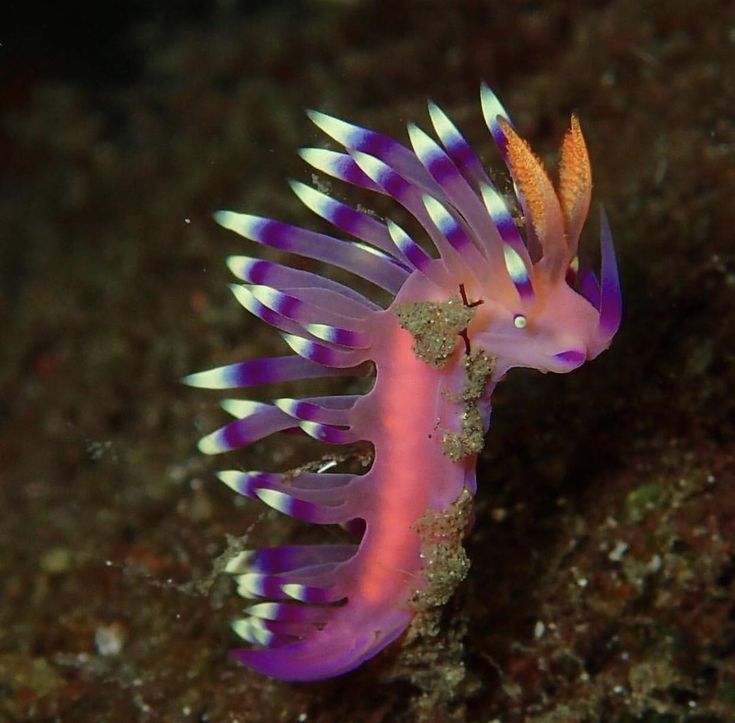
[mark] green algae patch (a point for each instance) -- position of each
(643, 500)
(33, 689)
(435, 327)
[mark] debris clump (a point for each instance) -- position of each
(435, 327)
(445, 561)
(470, 439)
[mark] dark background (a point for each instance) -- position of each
(603, 568)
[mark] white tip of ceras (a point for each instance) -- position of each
(265, 611)
(424, 146)
(268, 296)
(407, 246)
(241, 223)
(211, 444)
(251, 585)
(240, 563)
(398, 235)
(445, 129)
(491, 109)
(323, 332)
(241, 266)
(301, 346)
(233, 479)
(219, 378)
(321, 159)
(252, 630)
(244, 296)
(494, 203)
(279, 501)
(314, 429)
(372, 250)
(288, 406)
(242, 408)
(371, 166)
(296, 591)
(515, 265)
(340, 130)
(438, 213)
(314, 200)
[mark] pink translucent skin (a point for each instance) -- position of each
(533, 306)
(562, 325)
(403, 417)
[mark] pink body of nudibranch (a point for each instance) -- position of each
(488, 301)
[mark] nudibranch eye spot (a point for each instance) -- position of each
(437, 348)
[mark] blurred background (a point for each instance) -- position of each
(603, 568)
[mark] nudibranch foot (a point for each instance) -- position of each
(303, 652)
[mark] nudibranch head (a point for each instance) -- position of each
(488, 293)
(559, 314)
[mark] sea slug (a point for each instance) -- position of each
(494, 282)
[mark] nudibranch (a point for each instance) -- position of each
(496, 283)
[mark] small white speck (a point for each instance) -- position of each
(187, 220)
(144, 707)
(539, 629)
(302, 717)
(109, 639)
(327, 466)
(618, 690)
(654, 564)
(97, 450)
(692, 704)
(186, 710)
(711, 479)
(616, 555)
(583, 582)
